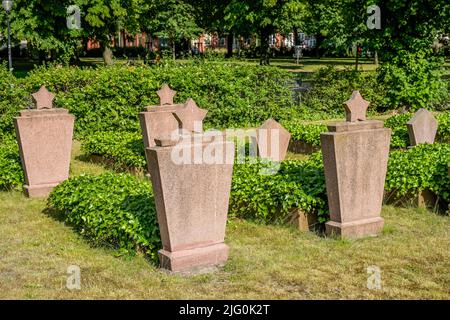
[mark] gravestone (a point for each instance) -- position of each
(44, 136)
(272, 141)
(422, 127)
(355, 155)
(191, 201)
(160, 120)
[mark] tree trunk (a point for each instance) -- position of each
(265, 48)
(376, 58)
(319, 40)
(296, 40)
(107, 54)
(357, 57)
(230, 39)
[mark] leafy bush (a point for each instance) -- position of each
(309, 133)
(270, 198)
(419, 168)
(333, 87)
(110, 98)
(124, 148)
(414, 81)
(11, 173)
(113, 209)
(400, 137)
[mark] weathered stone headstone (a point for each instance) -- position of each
(355, 155)
(191, 202)
(272, 141)
(160, 120)
(422, 127)
(44, 136)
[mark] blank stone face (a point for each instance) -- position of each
(422, 127)
(272, 140)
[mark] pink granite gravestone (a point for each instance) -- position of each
(160, 120)
(422, 127)
(191, 202)
(272, 141)
(44, 135)
(355, 155)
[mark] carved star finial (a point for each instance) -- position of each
(191, 117)
(356, 107)
(166, 95)
(43, 99)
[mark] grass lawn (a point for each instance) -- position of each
(266, 262)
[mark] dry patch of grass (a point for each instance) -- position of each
(266, 262)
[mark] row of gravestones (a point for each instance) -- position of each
(192, 196)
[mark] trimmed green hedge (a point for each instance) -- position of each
(110, 98)
(419, 168)
(112, 209)
(309, 133)
(11, 173)
(270, 198)
(124, 148)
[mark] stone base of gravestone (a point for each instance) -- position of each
(45, 142)
(303, 221)
(355, 158)
(191, 198)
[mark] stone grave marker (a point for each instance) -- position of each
(160, 120)
(355, 155)
(272, 141)
(44, 136)
(422, 127)
(191, 201)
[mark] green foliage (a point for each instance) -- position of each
(413, 81)
(270, 198)
(309, 133)
(333, 87)
(124, 148)
(11, 173)
(397, 123)
(110, 98)
(13, 96)
(422, 167)
(110, 209)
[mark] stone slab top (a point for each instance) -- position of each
(355, 126)
(165, 108)
(42, 112)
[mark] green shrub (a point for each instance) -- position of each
(11, 173)
(414, 81)
(112, 209)
(124, 148)
(400, 137)
(270, 198)
(419, 168)
(309, 133)
(331, 88)
(110, 98)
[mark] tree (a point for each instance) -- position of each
(103, 19)
(173, 19)
(264, 17)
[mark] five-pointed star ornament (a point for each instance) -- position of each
(43, 99)
(356, 107)
(191, 117)
(166, 95)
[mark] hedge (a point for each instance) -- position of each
(112, 209)
(110, 98)
(423, 167)
(11, 173)
(125, 149)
